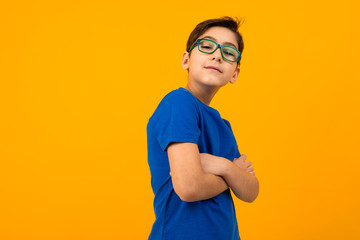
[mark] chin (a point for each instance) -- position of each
(214, 82)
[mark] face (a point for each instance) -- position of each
(211, 70)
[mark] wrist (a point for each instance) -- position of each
(226, 167)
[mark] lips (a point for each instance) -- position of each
(213, 68)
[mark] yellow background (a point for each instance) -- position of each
(79, 80)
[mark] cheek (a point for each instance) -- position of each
(195, 66)
(195, 62)
(232, 71)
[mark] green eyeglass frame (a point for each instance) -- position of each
(217, 46)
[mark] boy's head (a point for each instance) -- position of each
(227, 22)
(213, 53)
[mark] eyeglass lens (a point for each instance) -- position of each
(227, 52)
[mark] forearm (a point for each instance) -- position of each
(190, 181)
(243, 184)
(206, 186)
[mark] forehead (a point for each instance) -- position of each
(221, 35)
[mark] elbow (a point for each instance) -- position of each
(187, 197)
(186, 192)
(251, 197)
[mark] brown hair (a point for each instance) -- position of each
(227, 22)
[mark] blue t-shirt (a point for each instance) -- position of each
(181, 117)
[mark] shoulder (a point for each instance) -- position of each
(178, 96)
(179, 100)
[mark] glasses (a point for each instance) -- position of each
(209, 47)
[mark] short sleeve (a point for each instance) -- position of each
(177, 119)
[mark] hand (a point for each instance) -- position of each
(240, 162)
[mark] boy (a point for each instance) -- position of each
(192, 152)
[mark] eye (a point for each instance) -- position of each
(206, 46)
(229, 52)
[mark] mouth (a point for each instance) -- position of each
(213, 68)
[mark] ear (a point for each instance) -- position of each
(235, 75)
(185, 61)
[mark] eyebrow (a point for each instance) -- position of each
(225, 43)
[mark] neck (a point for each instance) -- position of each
(205, 95)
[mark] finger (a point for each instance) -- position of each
(248, 163)
(243, 156)
(250, 169)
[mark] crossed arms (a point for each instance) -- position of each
(202, 176)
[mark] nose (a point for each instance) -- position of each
(216, 55)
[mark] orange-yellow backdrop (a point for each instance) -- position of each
(79, 80)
